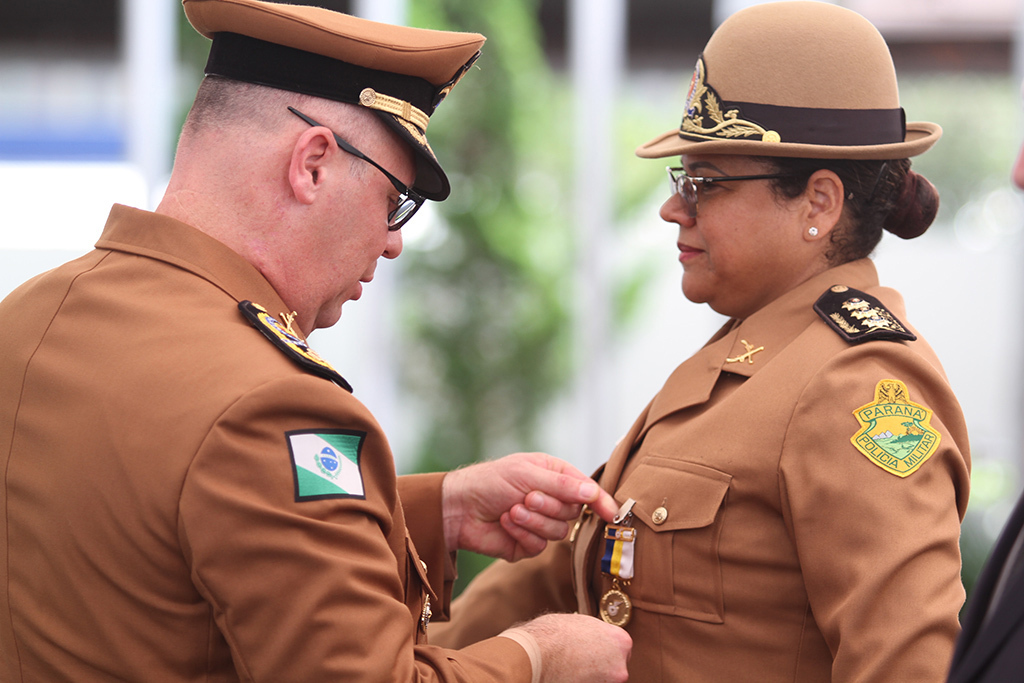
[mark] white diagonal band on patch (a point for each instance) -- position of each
(327, 463)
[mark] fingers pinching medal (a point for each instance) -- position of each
(615, 606)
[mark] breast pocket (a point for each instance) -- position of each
(678, 515)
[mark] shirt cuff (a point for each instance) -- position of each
(528, 643)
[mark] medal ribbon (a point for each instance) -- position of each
(618, 551)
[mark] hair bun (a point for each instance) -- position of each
(916, 207)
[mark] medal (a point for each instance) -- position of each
(615, 606)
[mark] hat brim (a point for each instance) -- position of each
(431, 180)
(920, 136)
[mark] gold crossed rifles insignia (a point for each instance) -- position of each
(748, 355)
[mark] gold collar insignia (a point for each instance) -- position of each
(748, 356)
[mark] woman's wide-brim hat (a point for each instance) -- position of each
(399, 73)
(795, 79)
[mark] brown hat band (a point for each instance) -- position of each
(803, 125)
(251, 60)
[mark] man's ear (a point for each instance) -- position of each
(824, 203)
(308, 163)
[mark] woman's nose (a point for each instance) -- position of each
(674, 211)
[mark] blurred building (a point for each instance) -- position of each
(61, 92)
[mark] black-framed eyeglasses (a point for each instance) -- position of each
(409, 201)
(688, 187)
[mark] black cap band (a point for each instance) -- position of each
(256, 61)
(810, 126)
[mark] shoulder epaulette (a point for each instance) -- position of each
(859, 317)
(291, 344)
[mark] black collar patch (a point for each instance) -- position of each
(291, 344)
(858, 317)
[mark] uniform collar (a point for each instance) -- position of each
(160, 237)
(742, 347)
(773, 327)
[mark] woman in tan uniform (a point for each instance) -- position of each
(792, 497)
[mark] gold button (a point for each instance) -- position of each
(659, 516)
(424, 565)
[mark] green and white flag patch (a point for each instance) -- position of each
(326, 464)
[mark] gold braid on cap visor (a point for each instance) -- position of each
(392, 105)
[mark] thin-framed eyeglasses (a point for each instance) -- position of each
(688, 187)
(409, 201)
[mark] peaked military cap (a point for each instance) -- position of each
(399, 72)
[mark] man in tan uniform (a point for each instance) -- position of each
(190, 493)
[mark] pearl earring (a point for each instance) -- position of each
(812, 231)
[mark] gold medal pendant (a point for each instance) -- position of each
(615, 607)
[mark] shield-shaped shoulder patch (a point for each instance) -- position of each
(895, 433)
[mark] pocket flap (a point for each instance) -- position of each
(419, 567)
(671, 494)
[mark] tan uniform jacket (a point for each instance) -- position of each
(152, 524)
(782, 552)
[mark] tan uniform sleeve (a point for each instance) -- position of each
(421, 497)
(879, 552)
(309, 590)
(507, 593)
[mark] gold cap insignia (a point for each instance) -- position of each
(704, 119)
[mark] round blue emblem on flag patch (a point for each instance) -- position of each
(327, 461)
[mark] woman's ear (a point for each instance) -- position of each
(824, 204)
(308, 163)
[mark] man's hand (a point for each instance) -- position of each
(510, 508)
(575, 648)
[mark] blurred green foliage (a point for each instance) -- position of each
(484, 312)
(487, 311)
(487, 308)
(485, 317)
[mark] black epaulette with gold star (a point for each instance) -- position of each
(293, 346)
(858, 317)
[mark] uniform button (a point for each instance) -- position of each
(424, 565)
(659, 515)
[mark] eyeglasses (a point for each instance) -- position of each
(408, 200)
(688, 187)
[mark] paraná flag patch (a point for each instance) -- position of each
(326, 463)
